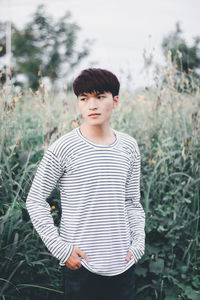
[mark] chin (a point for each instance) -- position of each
(94, 122)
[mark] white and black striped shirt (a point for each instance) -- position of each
(100, 201)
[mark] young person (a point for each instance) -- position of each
(102, 225)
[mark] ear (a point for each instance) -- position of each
(115, 101)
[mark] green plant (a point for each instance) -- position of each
(165, 122)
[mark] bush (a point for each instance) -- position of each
(165, 122)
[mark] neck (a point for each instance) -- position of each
(96, 131)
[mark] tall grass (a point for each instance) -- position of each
(165, 121)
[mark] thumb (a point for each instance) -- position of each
(81, 253)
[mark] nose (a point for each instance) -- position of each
(93, 103)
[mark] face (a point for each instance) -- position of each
(98, 103)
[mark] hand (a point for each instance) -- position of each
(74, 261)
(128, 256)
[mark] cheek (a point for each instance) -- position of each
(109, 109)
(82, 110)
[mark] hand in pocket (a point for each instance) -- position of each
(74, 261)
(128, 256)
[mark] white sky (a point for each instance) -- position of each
(121, 28)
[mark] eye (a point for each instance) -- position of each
(82, 99)
(101, 96)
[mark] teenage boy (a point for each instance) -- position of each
(102, 233)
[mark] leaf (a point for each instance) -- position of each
(152, 249)
(171, 293)
(191, 294)
(196, 282)
(141, 271)
(157, 266)
(184, 269)
(161, 228)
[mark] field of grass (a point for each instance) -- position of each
(166, 123)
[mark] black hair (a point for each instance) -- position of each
(96, 80)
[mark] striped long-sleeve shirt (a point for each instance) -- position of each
(100, 201)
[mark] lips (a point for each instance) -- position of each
(94, 115)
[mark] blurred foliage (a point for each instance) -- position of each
(2, 39)
(187, 58)
(166, 124)
(44, 48)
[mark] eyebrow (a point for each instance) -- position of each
(97, 93)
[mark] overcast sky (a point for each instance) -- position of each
(122, 29)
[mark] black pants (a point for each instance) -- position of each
(82, 284)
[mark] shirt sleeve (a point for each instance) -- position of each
(47, 175)
(135, 211)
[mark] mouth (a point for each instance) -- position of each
(93, 115)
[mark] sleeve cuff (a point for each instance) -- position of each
(137, 252)
(66, 255)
